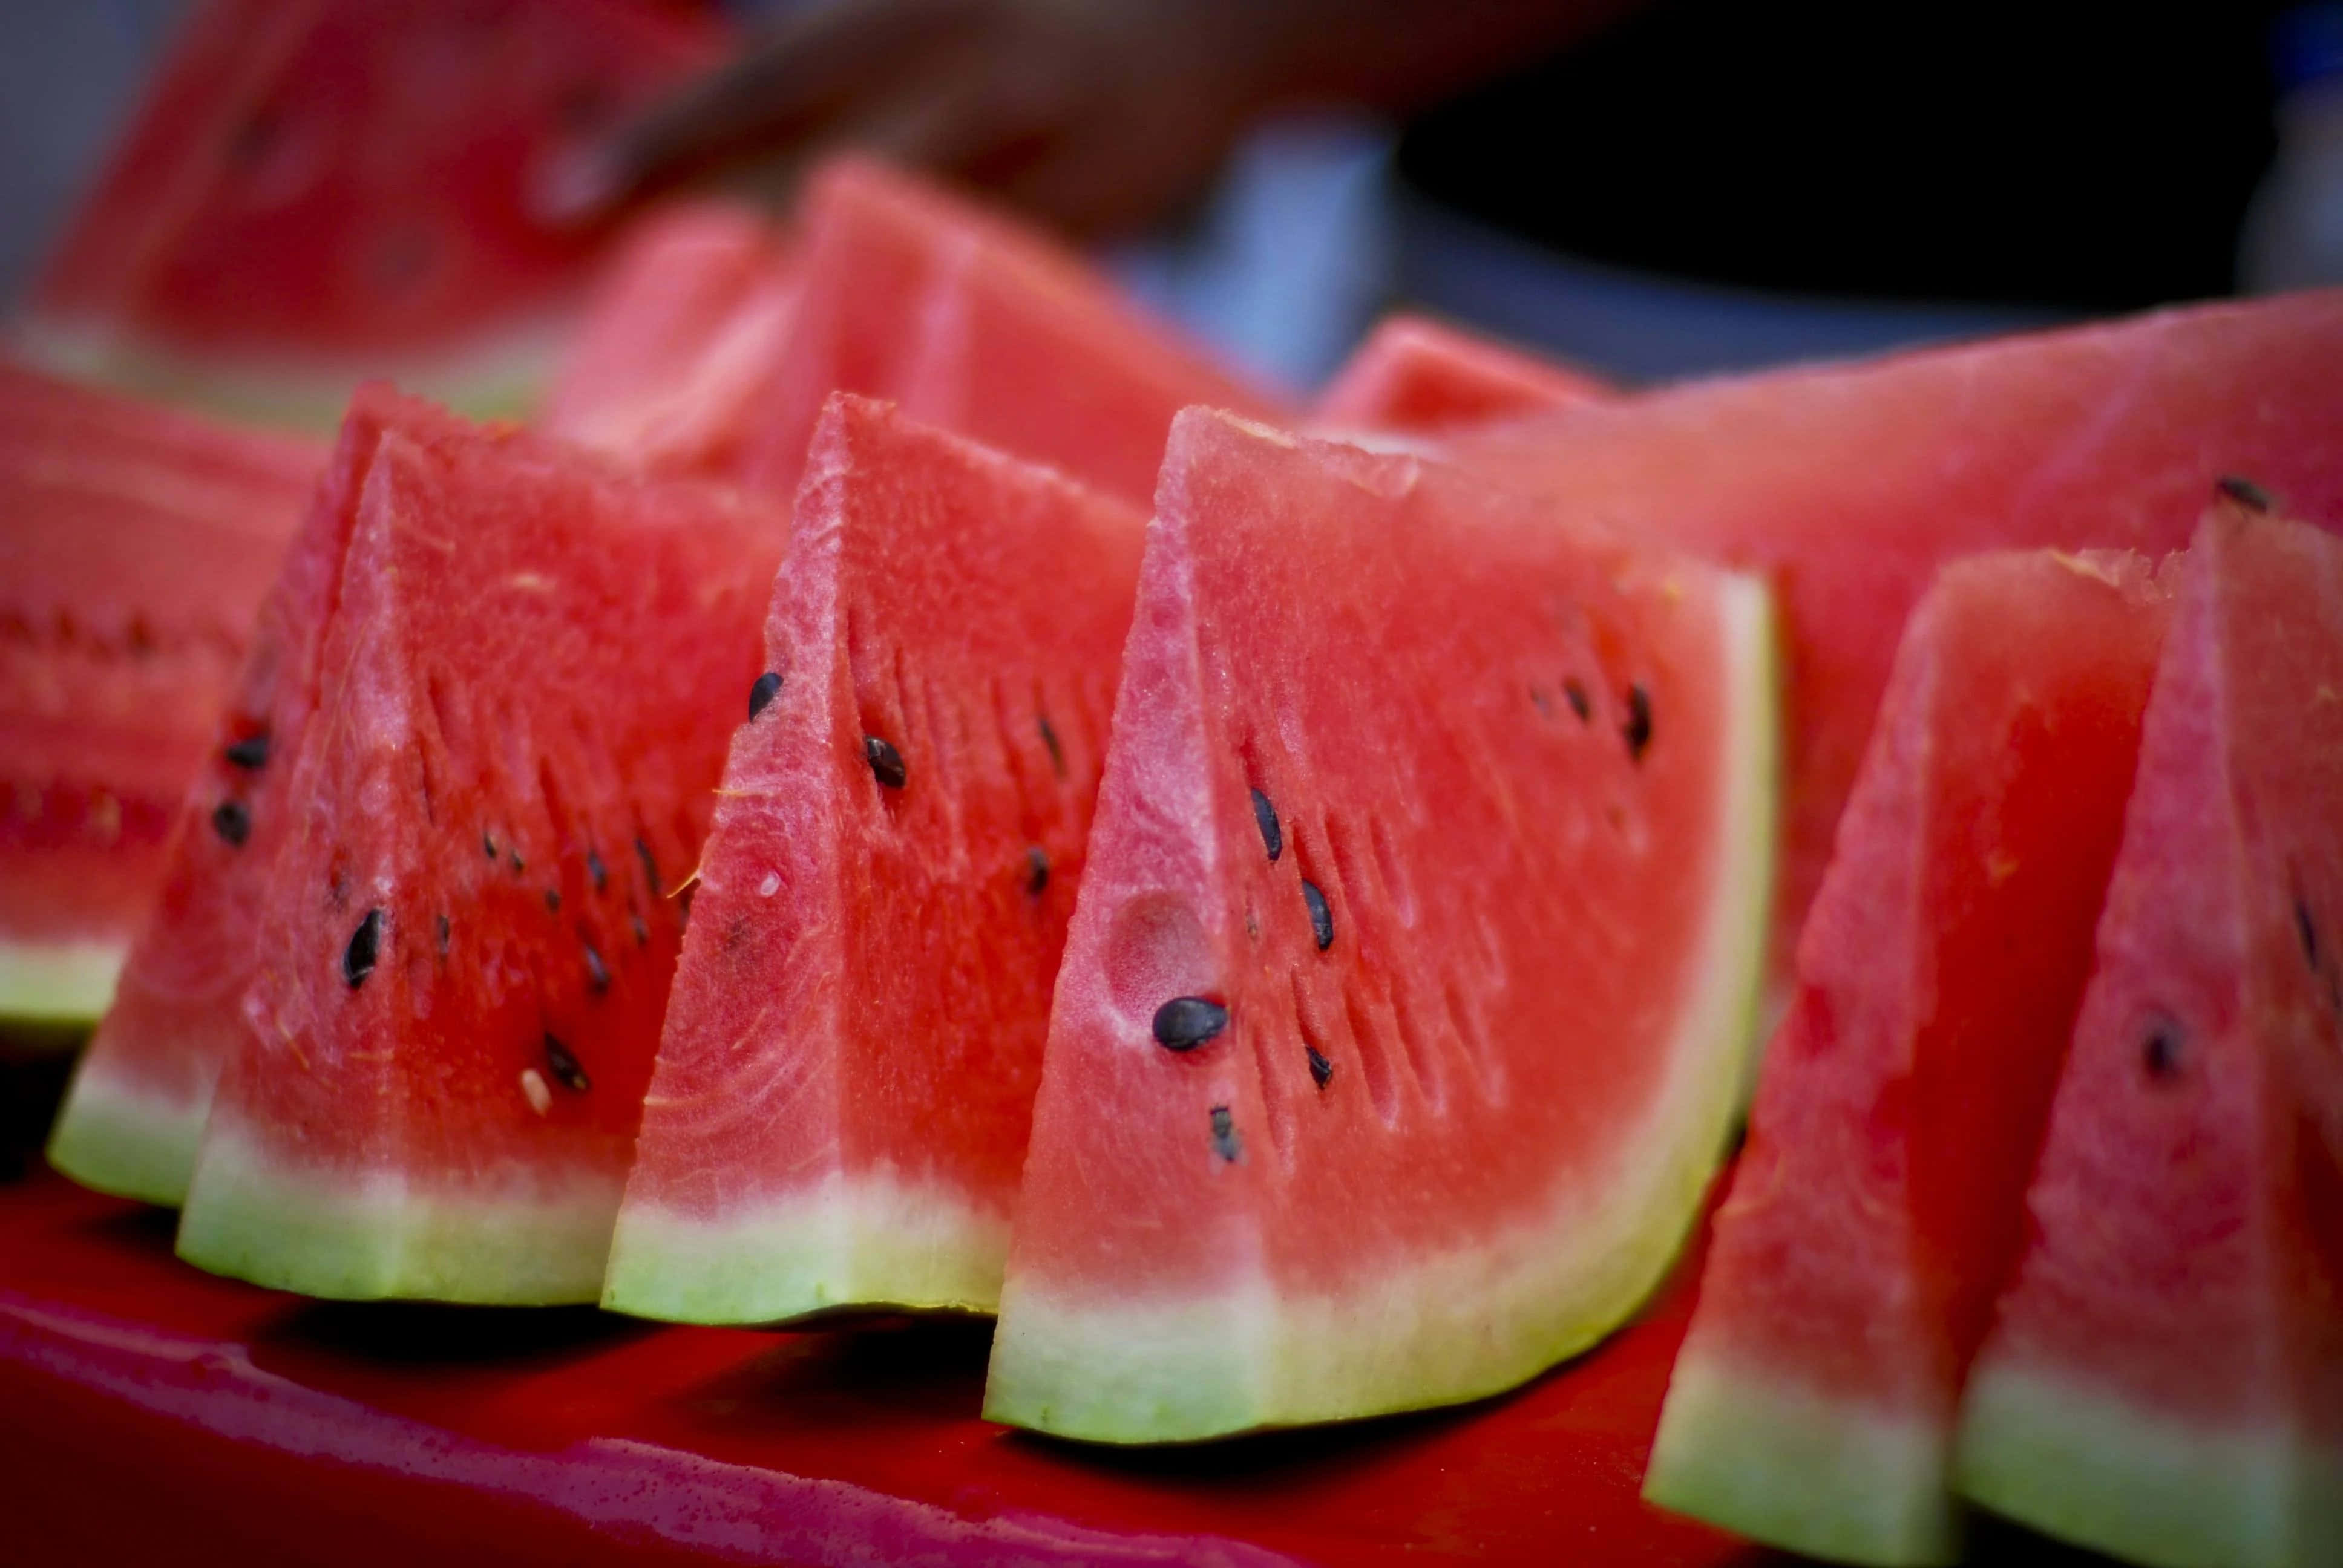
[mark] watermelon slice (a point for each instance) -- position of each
(531, 668)
(1425, 378)
(2165, 1377)
(839, 1110)
(676, 340)
(1851, 484)
(979, 326)
(136, 545)
(136, 1106)
(1875, 1209)
(318, 191)
(1405, 1008)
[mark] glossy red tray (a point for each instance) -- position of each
(150, 1413)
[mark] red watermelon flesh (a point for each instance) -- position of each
(1851, 484)
(139, 1096)
(523, 694)
(317, 191)
(1426, 377)
(2164, 1380)
(1876, 1207)
(979, 326)
(1403, 1015)
(674, 344)
(840, 1109)
(136, 545)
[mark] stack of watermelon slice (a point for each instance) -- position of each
(911, 788)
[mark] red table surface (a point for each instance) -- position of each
(151, 1412)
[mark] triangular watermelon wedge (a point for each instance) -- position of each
(136, 543)
(1875, 1209)
(1404, 1011)
(1423, 376)
(1849, 485)
(317, 192)
(2164, 1378)
(980, 326)
(839, 1110)
(138, 1098)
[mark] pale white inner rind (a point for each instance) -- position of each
(866, 1240)
(2088, 1466)
(520, 1238)
(62, 983)
(1775, 1460)
(116, 1137)
(1483, 1318)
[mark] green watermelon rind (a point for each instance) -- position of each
(58, 982)
(1476, 1321)
(119, 1140)
(865, 1242)
(1780, 1462)
(2088, 1466)
(349, 1237)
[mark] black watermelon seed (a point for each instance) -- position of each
(566, 1071)
(1638, 728)
(1541, 701)
(2309, 934)
(597, 870)
(1225, 1141)
(518, 864)
(767, 687)
(442, 931)
(232, 822)
(358, 958)
(251, 753)
(2161, 1049)
(598, 973)
(553, 900)
(886, 762)
(2245, 492)
(1322, 918)
(642, 931)
(1264, 816)
(1185, 1023)
(1322, 1071)
(487, 846)
(1580, 703)
(1050, 739)
(1037, 870)
(650, 865)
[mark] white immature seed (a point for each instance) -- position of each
(769, 886)
(533, 1085)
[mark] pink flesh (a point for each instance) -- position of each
(137, 543)
(2186, 1244)
(1425, 376)
(1852, 484)
(352, 178)
(1382, 648)
(884, 1005)
(529, 652)
(1875, 1210)
(980, 326)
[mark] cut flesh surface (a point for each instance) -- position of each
(979, 326)
(1425, 378)
(136, 1109)
(134, 544)
(839, 1114)
(2164, 1380)
(1877, 1204)
(1850, 485)
(1442, 835)
(523, 690)
(316, 192)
